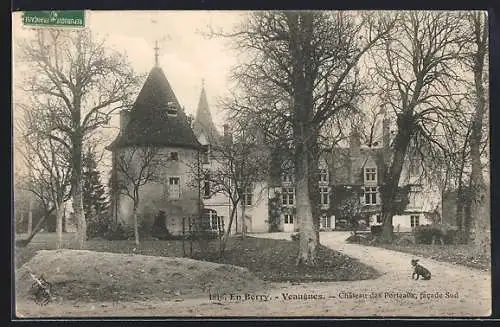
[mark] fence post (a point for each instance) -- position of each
(190, 238)
(183, 236)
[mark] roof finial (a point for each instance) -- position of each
(157, 50)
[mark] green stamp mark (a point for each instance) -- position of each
(54, 18)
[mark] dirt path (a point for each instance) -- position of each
(452, 291)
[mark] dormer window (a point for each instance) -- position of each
(370, 174)
(171, 108)
(323, 175)
(287, 178)
(204, 154)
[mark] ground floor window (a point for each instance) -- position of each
(212, 221)
(288, 219)
(325, 222)
(217, 223)
(414, 220)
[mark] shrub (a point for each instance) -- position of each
(295, 237)
(203, 235)
(406, 240)
(119, 232)
(98, 225)
(424, 234)
(360, 238)
(377, 230)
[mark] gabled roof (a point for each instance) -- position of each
(341, 164)
(203, 122)
(149, 122)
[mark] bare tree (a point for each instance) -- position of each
(240, 161)
(416, 69)
(50, 170)
(479, 211)
(88, 80)
(136, 166)
(300, 74)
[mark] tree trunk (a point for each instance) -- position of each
(307, 234)
(243, 221)
(76, 181)
(228, 229)
(35, 230)
(30, 220)
(59, 223)
(136, 226)
(390, 188)
(301, 33)
(81, 224)
(314, 194)
(479, 213)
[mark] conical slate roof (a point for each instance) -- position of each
(203, 122)
(150, 123)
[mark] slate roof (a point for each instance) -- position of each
(203, 122)
(341, 164)
(149, 124)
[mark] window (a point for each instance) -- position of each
(414, 220)
(370, 174)
(379, 219)
(174, 188)
(287, 177)
(212, 221)
(324, 195)
(206, 186)
(174, 156)
(204, 154)
(325, 222)
(370, 195)
(323, 175)
(172, 108)
(414, 169)
(247, 196)
(288, 219)
(288, 195)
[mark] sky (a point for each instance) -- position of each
(185, 55)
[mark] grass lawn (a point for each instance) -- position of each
(271, 260)
(461, 254)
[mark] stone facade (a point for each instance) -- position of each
(157, 150)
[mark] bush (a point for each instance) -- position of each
(119, 232)
(406, 240)
(360, 238)
(97, 226)
(295, 237)
(377, 230)
(425, 233)
(203, 235)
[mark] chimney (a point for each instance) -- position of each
(124, 120)
(355, 155)
(227, 134)
(190, 119)
(354, 143)
(386, 132)
(259, 136)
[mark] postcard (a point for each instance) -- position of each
(251, 164)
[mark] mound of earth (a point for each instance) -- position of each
(101, 276)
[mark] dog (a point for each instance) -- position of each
(420, 270)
